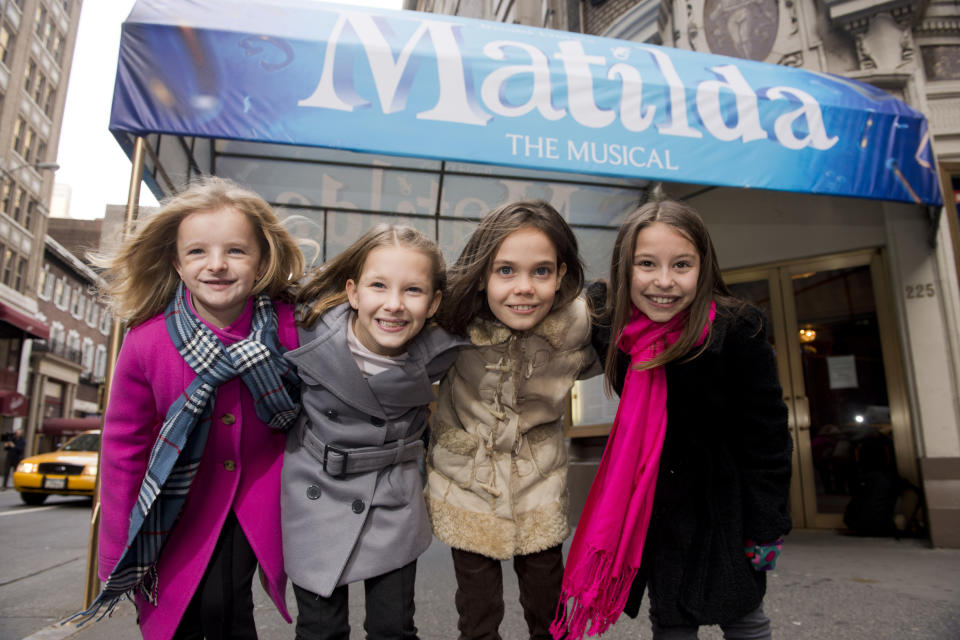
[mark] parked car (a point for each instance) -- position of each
(71, 470)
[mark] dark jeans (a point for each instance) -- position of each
(389, 609)
(753, 626)
(222, 606)
(479, 595)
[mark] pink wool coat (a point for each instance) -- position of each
(240, 469)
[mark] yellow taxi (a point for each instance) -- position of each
(71, 470)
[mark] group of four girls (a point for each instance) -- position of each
(258, 418)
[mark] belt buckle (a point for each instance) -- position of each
(343, 471)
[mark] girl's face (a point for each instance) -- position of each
(666, 267)
(524, 279)
(219, 260)
(393, 298)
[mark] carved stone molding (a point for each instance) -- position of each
(853, 15)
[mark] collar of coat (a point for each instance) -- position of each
(561, 328)
(324, 358)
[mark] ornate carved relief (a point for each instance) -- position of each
(794, 59)
(864, 57)
(741, 28)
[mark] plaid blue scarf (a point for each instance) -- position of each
(178, 449)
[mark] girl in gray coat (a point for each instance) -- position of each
(353, 506)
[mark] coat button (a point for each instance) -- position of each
(358, 506)
(377, 422)
(313, 492)
(229, 465)
(228, 419)
(331, 414)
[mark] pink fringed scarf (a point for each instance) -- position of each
(608, 545)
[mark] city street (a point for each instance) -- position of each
(825, 586)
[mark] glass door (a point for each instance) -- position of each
(833, 331)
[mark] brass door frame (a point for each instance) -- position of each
(780, 275)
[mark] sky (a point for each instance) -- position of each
(92, 164)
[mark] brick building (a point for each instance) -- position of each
(67, 369)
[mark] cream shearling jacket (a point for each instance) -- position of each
(497, 467)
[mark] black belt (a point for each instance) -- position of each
(343, 461)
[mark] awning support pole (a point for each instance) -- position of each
(92, 584)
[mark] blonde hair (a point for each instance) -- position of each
(140, 276)
(327, 284)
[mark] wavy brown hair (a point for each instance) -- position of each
(710, 285)
(140, 276)
(465, 298)
(326, 285)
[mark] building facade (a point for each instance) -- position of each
(862, 295)
(67, 369)
(37, 39)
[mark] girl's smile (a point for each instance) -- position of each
(523, 279)
(393, 298)
(218, 259)
(666, 268)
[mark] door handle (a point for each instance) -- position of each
(799, 406)
(802, 404)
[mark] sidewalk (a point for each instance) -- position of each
(825, 586)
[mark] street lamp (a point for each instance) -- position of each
(38, 166)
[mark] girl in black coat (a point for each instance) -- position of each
(719, 500)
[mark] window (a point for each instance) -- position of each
(31, 211)
(93, 313)
(29, 145)
(17, 208)
(18, 131)
(105, 321)
(81, 306)
(73, 346)
(20, 276)
(9, 266)
(41, 150)
(56, 49)
(62, 297)
(40, 89)
(74, 300)
(7, 39)
(30, 77)
(41, 20)
(49, 100)
(5, 192)
(57, 338)
(86, 356)
(100, 362)
(45, 285)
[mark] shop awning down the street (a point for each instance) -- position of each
(200, 81)
(28, 323)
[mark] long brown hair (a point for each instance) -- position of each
(140, 276)
(465, 298)
(710, 285)
(326, 286)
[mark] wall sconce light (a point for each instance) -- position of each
(807, 336)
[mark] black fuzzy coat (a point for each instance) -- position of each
(724, 476)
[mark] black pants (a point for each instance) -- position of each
(479, 595)
(389, 609)
(222, 607)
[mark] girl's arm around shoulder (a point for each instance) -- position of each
(129, 429)
(442, 348)
(762, 443)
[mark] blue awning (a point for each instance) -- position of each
(412, 84)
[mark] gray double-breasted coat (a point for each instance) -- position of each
(341, 525)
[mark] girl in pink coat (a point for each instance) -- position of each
(193, 435)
